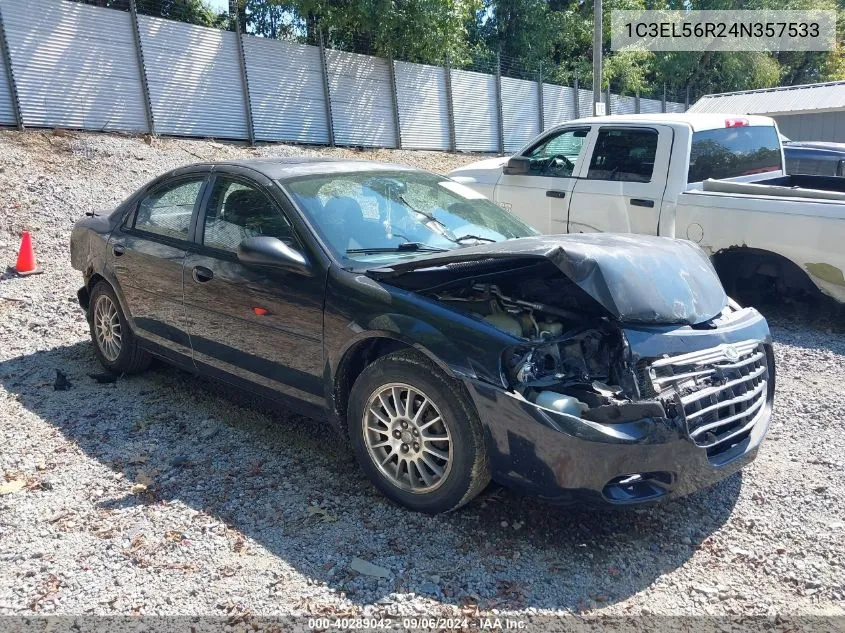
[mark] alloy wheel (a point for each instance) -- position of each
(107, 328)
(407, 438)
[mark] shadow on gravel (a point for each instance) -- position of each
(289, 483)
(806, 323)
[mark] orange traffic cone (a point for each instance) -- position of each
(26, 257)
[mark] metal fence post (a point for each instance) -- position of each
(7, 63)
(686, 100)
(450, 105)
(395, 100)
(326, 91)
(142, 69)
(607, 109)
(664, 98)
(637, 102)
(540, 105)
(576, 99)
(250, 128)
(499, 104)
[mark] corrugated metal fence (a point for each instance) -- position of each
(423, 106)
(74, 66)
(7, 107)
(78, 66)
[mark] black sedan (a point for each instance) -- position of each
(443, 337)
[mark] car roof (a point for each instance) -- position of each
(697, 121)
(296, 166)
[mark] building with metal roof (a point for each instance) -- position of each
(811, 112)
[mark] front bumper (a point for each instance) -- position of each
(566, 459)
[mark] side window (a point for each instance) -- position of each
(237, 211)
(624, 155)
(555, 156)
(167, 210)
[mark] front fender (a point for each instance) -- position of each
(368, 336)
(358, 308)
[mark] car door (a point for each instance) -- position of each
(541, 197)
(257, 323)
(622, 189)
(146, 254)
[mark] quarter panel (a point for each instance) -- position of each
(808, 232)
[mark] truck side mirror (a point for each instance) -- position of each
(517, 166)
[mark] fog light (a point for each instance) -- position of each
(638, 487)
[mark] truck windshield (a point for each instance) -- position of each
(734, 151)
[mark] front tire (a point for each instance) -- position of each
(115, 345)
(416, 435)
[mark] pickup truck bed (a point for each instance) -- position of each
(826, 183)
(824, 188)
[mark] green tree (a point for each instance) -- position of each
(519, 30)
(413, 30)
(190, 11)
(529, 35)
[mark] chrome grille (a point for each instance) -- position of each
(722, 391)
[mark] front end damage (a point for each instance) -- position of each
(600, 404)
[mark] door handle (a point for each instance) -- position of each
(201, 274)
(118, 249)
(642, 202)
(554, 193)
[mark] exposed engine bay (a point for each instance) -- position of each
(567, 300)
(573, 360)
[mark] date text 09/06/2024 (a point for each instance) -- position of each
(418, 623)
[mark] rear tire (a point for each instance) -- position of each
(115, 345)
(416, 435)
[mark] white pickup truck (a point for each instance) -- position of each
(717, 180)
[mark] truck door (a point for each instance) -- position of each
(622, 189)
(541, 197)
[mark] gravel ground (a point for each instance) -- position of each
(160, 494)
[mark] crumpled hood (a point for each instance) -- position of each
(636, 278)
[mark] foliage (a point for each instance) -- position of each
(192, 11)
(412, 30)
(552, 37)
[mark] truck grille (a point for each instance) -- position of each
(722, 391)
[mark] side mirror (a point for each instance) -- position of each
(271, 252)
(517, 166)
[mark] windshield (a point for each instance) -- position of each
(384, 216)
(734, 151)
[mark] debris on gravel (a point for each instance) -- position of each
(166, 494)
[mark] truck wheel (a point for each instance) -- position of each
(415, 434)
(114, 343)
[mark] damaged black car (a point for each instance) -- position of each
(446, 340)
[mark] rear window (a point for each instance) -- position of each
(732, 152)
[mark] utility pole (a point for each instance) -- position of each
(139, 52)
(597, 46)
(237, 16)
(500, 113)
